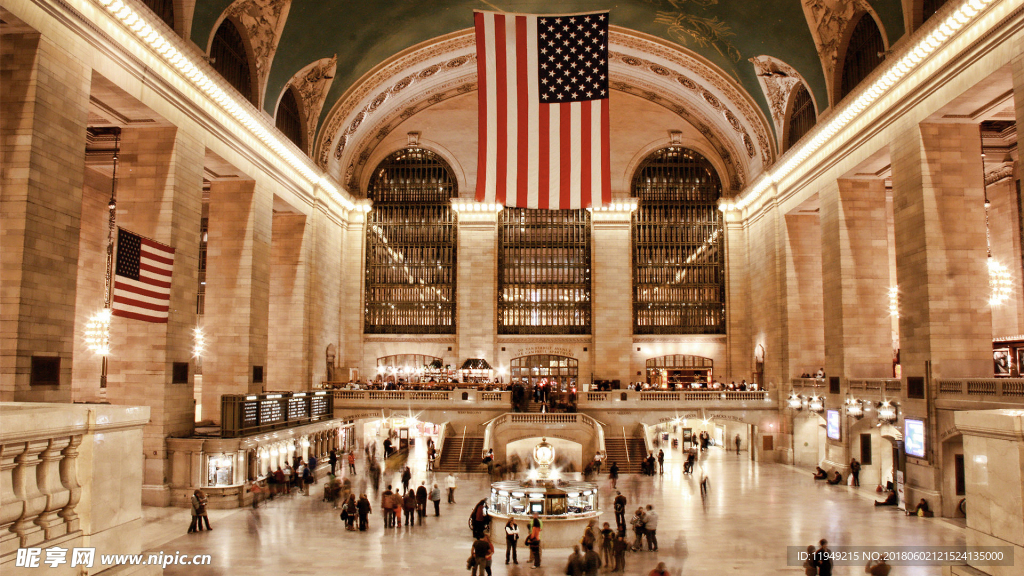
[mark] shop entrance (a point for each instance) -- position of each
(677, 371)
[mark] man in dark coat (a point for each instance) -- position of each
(409, 507)
(363, 507)
(421, 502)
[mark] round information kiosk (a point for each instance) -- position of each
(564, 507)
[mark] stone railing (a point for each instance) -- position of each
(652, 400)
(426, 398)
(1005, 389)
(878, 385)
(544, 419)
(799, 383)
(57, 481)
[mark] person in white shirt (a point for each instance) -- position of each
(451, 482)
(511, 538)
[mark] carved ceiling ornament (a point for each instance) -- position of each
(652, 69)
(263, 21)
(777, 80)
(312, 83)
(828, 20)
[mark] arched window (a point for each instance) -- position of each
(410, 246)
(863, 54)
(930, 7)
(164, 9)
(228, 56)
(543, 271)
(289, 120)
(802, 118)
(678, 264)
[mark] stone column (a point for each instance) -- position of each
(739, 364)
(160, 184)
(353, 279)
(994, 470)
(612, 300)
(942, 273)
(324, 273)
(237, 292)
(855, 280)
(804, 294)
(43, 117)
(477, 286)
(287, 345)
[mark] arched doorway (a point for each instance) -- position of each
(410, 368)
(544, 374)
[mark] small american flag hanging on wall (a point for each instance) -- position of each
(142, 280)
(543, 104)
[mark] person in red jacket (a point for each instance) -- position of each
(659, 570)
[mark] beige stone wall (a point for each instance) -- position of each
(477, 285)
(1004, 227)
(352, 283)
(739, 359)
(237, 291)
(324, 302)
(43, 118)
(855, 272)
(766, 321)
(612, 295)
(804, 303)
(287, 343)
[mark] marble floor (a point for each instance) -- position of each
(752, 513)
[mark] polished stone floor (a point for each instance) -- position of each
(753, 512)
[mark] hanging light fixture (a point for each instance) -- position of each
(886, 412)
(894, 301)
(1000, 281)
(97, 332)
(795, 403)
(854, 408)
(816, 404)
(198, 342)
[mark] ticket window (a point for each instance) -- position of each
(518, 503)
(579, 502)
(220, 470)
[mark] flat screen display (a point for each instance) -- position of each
(832, 424)
(913, 437)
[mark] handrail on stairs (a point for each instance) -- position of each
(625, 443)
(463, 447)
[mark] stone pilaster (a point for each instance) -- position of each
(612, 300)
(324, 290)
(804, 294)
(287, 361)
(739, 363)
(160, 183)
(353, 280)
(855, 279)
(237, 292)
(477, 286)
(767, 318)
(942, 274)
(43, 118)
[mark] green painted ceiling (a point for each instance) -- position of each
(363, 33)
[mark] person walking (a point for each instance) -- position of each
(511, 540)
(620, 511)
(435, 497)
(607, 544)
(613, 474)
(387, 507)
(352, 462)
(661, 462)
(196, 504)
(363, 507)
(574, 565)
(619, 548)
(737, 440)
(332, 459)
(409, 506)
(421, 502)
(349, 512)
(823, 559)
(533, 540)
(479, 519)
(591, 561)
(810, 567)
(480, 556)
(855, 471)
(638, 529)
(406, 477)
(451, 483)
(651, 528)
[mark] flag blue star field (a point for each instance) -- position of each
(543, 104)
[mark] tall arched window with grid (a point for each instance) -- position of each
(411, 241)
(678, 262)
(864, 53)
(228, 57)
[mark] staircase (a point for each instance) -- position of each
(615, 450)
(472, 452)
(534, 407)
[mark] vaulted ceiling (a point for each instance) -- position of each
(742, 38)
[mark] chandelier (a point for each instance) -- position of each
(97, 332)
(1000, 281)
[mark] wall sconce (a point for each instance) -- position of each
(854, 408)
(816, 404)
(795, 402)
(886, 412)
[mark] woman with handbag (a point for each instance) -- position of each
(639, 527)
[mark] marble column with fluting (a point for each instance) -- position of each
(160, 187)
(43, 119)
(612, 300)
(855, 279)
(237, 292)
(287, 360)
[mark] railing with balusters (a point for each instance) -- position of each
(1007, 389)
(888, 385)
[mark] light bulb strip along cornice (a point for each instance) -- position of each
(912, 57)
(177, 59)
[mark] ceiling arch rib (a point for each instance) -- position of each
(435, 71)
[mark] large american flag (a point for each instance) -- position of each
(543, 110)
(142, 279)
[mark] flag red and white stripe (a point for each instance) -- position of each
(142, 279)
(535, 153)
